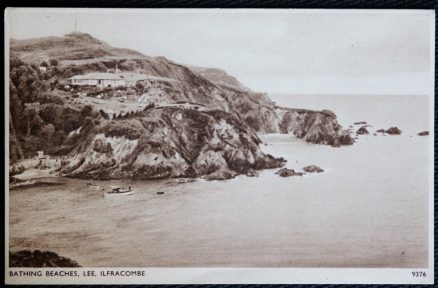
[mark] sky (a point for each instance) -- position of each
(274, 51)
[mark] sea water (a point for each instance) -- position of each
(369, 208)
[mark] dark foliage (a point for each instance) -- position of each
(40, 119)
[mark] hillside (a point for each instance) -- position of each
(219, 77)
(81, 53)
(46, 111)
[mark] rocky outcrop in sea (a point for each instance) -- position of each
(362, 131)
(313, 169)
(390, 131)
(286, 172)
(393, 131)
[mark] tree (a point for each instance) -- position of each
(58, 138)
(32, 118)
(53, 62)
(48, 112)
(87, 111)
(15, 105)
(31, 144)
(140, 87)
(103, 114)
(46, 133)
(71, 119)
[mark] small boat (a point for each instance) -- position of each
(119, 191)
(160, 192)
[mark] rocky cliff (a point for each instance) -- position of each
(168, 142)
(44, 114)
(319, 127)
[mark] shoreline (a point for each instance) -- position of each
(34, 174)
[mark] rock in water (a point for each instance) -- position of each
(393, 131)
(381, 131)
(423, 133)
(313, 169)
(26, 258)
(362, 131)
(360, 123)
(285, 172)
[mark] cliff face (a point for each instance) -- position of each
(319, 127)
(168, 142)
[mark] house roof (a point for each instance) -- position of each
(98, 76)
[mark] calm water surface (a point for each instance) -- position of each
(368, 209)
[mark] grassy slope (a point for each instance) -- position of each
(81, 53)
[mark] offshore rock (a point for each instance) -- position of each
(423, 133)
(362, 131)
(393, 131)
(285, 172)
(313, 169)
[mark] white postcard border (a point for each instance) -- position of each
(227, 275)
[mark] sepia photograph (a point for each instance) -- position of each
(266, 142)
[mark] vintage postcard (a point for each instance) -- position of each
(219, 146)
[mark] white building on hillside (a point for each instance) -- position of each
(99, 79)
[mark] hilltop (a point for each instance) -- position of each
(71, 47)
